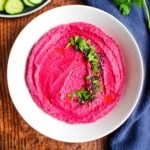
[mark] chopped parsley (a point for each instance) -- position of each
(92, 82)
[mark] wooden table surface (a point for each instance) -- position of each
(15, 133)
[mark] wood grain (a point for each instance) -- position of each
(15, 133)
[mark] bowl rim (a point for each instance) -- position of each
(142, 69)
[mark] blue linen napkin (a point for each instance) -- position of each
(134, 134)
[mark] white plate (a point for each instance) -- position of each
(27, 10)
(49, 126)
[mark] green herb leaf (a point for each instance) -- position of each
(83, 45)
(91, 55)
(76, 38)
(70, 95)
(88, 77)
(72, 42)
(138, 3)
(88, 93)
(95, 67)
(125, 7)
(83, 95)
(119, 2)
(147, 12)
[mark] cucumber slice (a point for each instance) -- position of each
(2, 5)
(36, 1)
(14, 6)
(28, 3)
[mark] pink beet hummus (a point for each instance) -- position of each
(53, 71)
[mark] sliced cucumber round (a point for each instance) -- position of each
(36, 1)
(2, 5)
(28, 3)
(14, 6)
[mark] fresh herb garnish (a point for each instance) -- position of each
(125, 7)
(92, 82)
(88, 50)
(83, 96)
(70, 95)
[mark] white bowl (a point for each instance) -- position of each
(27, 10)
(54, 128)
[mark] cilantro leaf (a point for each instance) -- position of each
(138, 3)
(83, 95)
(125, 7)
(119, 2)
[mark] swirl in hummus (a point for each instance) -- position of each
(53, 71)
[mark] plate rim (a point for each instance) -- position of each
(25, 13)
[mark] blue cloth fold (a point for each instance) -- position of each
(134, 133)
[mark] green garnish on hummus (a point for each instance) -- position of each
(92, 82)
